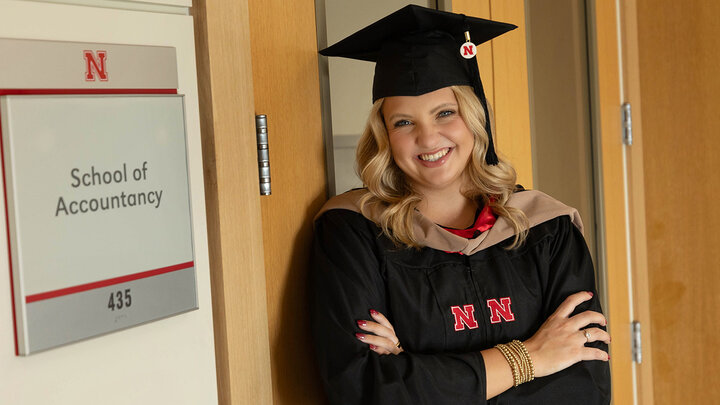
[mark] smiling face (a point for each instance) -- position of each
(429, 140)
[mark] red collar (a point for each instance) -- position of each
(484, 221)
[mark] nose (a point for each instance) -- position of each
(427, 136)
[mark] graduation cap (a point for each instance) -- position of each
(418, 50)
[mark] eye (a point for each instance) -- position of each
(445, 113)
(401, 123)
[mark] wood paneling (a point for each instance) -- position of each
(678, 46)
(232, 201)
(287, 90)
(504, 71)
(612, 201)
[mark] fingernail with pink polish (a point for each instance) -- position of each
(373, 347)
(360, 336)
(373, 312)
(362, 323)
(591, 293)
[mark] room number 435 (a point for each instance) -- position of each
(119, 300)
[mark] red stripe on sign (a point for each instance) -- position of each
(105, 283)
(7, 232)
(36, 92)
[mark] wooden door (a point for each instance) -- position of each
(669, 75)
(237, 265)
(259, 57)
(287, 90)
(677, 77)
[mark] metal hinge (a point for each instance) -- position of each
(627, 124)
(263, 154)
(636, 342)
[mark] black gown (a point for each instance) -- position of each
(446, 307)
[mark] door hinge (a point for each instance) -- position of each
(636, 342)
(263, 153)
(627, 124)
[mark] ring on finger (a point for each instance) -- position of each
(398, 344)
(587, 336)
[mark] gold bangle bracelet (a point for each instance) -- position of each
(511, 361)
(521, 346)
(518, 357)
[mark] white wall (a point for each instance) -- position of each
(171, 361)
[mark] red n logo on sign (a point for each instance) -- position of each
(464, 317)
(95, 65)
(500, 309)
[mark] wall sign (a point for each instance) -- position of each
(96, 192)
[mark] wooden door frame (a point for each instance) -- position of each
(620, 196)
(237, 262)
(636, 200)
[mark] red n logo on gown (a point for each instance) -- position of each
(95, 65)
(500, 309)
(464, 317)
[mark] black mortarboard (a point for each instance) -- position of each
(418, 50)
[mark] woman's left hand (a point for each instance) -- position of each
(382, 338)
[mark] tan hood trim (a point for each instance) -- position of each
(538, 206)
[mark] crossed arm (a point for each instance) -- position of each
(557, 345)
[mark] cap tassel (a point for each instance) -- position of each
(490, 156)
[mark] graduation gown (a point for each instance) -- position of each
(447, 302)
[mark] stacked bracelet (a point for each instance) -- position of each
(519, 360)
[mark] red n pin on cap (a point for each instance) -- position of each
(468, 49)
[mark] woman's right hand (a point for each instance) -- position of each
(560, 341)
(382, 338)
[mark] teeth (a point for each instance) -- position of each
(435, 156)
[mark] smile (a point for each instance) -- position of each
(435, 156)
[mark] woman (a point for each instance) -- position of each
(489, 289)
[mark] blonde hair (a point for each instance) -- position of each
(391, 192)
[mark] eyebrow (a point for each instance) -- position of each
(395, 116)
(441, 106)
